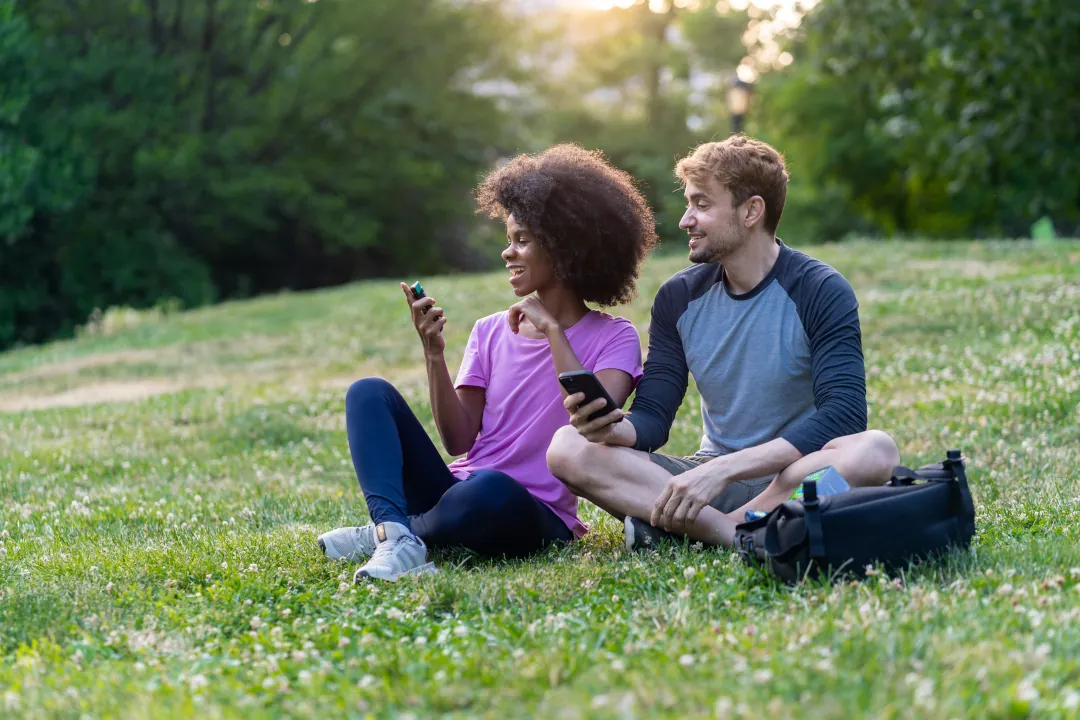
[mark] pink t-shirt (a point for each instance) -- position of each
(523, 404)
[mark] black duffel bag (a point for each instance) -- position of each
(919, 513)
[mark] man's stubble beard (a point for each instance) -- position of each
(718, 248)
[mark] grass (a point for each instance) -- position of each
(157, 556)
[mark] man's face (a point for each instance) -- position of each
(528, 263)
(711, 222)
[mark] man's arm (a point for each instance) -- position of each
(830, 317)
(666, 375)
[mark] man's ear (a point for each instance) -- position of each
(755, 211)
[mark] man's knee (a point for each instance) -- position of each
(882, 448)
(568, 456)
(871, 454)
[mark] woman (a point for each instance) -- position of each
(577, 230)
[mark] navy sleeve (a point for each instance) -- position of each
(830, 316)
(663, 385)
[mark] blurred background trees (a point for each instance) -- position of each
(205, 149)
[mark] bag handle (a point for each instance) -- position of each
(903, 476)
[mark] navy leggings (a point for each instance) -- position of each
(405, 480)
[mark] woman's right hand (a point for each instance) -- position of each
(428, 324)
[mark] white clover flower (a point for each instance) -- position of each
(1026, 691)
(686, 660)
(762, 676)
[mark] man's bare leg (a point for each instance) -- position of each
(624, 482)
(865, 459)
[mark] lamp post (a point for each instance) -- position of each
(738, 100)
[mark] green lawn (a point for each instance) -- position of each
(158, 556)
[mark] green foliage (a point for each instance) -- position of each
(158, 556)
(940, 119)
(199, 149)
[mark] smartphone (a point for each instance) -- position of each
(584, 381)
(418, 293)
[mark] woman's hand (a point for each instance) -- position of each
(429, 322)
(537, 314)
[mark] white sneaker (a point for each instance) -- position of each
(397, 553)
(351, 544)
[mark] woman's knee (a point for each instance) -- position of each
(367, 390)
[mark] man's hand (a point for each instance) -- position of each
(428, 324)
(604, 429)
(686, 494)
(534, 310)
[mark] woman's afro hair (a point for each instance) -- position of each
(588, 216)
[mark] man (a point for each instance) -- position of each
(772, 339)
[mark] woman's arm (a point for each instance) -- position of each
(457, 413)
(619, 384)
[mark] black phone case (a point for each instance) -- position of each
(593, 390)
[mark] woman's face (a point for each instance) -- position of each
(528, 263)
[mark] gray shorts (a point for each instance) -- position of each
(734, 495)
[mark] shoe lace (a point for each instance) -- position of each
(386, 552)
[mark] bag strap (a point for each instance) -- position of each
(812, 518)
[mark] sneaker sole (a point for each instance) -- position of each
(628, 534)
(424, 569)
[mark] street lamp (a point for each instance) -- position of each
(738, 100)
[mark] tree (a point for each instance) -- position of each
(631, 82)
(966, 108)
(200, 148)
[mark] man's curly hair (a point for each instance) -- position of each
(588, 215)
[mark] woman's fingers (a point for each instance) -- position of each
(423, 304)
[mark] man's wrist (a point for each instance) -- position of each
(624, 434)
(719, 472)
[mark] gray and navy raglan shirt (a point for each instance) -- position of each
(781, 361)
